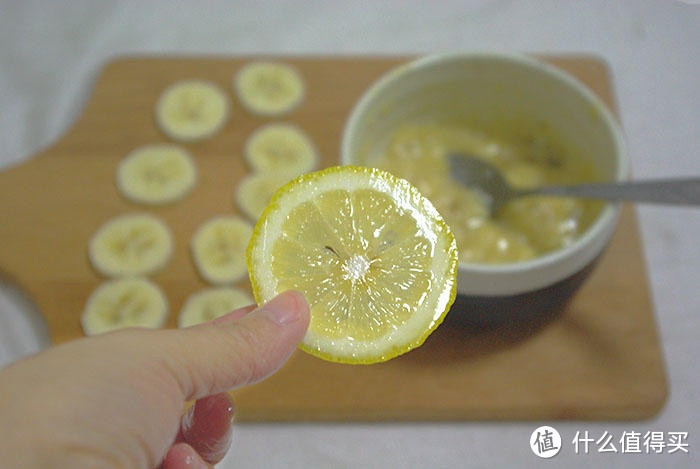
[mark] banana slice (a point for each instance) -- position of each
(255, 191)
(524, 175)
(218, 249)
(549, 223)
(280, 148)
(156, 174)
(489, 242)
(212, 303)
(133, 244)
(127, 302)
(269, 89)
(192, 110)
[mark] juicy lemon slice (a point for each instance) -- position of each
(373, 257)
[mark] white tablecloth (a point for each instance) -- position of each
(50, 53)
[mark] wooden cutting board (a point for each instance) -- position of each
(598, 359)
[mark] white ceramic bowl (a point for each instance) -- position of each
(488, 87)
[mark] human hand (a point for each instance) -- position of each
(116, 400)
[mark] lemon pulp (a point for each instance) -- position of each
(373, 258)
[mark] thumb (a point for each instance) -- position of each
(237, 349)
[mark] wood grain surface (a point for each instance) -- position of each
(598, 359)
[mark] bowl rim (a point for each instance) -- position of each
(593, 239)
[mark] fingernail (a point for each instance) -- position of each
(285, 308)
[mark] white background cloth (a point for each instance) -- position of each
(51, 52)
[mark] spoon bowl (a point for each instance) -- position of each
(490, 184)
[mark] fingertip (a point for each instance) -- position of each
(300, 301)
(206, 426)
(286, 308)
(230, 353)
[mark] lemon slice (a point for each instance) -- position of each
(373, 257)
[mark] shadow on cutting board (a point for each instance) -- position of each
(478, 326)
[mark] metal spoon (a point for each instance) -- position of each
(482, 176)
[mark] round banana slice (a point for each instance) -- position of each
(133, 244)
(255, 191)
(212, 303)
(127, 302)
(218, 249)
(280, 148)
(156, 174)
(192, 110)
(269, 89)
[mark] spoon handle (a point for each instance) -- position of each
(661, 191)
